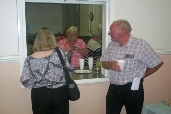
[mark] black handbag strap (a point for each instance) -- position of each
(63, 63)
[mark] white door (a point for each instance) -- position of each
(90, 16)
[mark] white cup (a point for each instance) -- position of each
(90, 60)
(90, 66)
(121, 64)
(81, 63)
(90, 63)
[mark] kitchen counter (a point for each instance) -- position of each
(92, 75)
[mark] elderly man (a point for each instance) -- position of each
(126, 86)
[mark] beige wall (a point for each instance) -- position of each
(16, 100)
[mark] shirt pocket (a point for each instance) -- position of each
(130, 64)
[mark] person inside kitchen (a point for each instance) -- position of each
(75, 45)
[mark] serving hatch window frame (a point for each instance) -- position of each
(22, 29)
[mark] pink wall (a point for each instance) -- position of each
(15, 100)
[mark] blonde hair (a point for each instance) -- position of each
(72, 29)
(96, 31)
(45, 40)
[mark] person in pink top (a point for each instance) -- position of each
(72, 43)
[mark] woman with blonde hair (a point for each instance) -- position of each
(72, 43)
(43, 74)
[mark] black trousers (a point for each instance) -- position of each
(50, 101)
(122, 95)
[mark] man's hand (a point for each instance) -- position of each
(111, 65)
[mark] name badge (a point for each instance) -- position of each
(131, 56)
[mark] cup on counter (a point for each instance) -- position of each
(81, 63)
(121, 64)
(90, 63)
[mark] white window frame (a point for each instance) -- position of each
(22, 30)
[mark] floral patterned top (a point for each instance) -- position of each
(45, 72)
(75, 55)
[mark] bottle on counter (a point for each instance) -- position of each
(98, 65)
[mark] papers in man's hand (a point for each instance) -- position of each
(135, 84)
